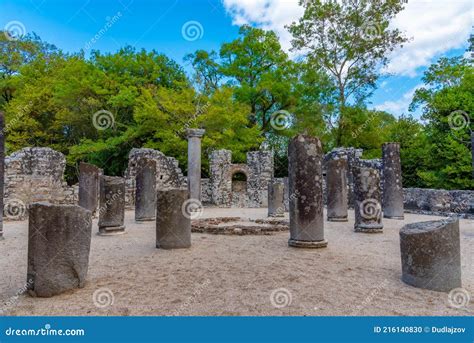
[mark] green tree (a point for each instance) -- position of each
(448, 106)
(351, 41)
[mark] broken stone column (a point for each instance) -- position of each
(59, 240)
(2, 169)
(337, 190)
(276, 206)
(89, 186)
(305, 155)
(173, 224)
(367, 205)
(392, 181)
(145, 195)
(112, 205)
(430, 253)
(194, 162)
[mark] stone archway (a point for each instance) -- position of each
(238, 175)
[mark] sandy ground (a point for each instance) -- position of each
(357, 274)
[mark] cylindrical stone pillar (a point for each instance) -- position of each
(2, 169)
(89, 186)
(392, 181)
(173, 225)
(276, 206)
(305, 173)
(367, 205)
(145, 195)
(430, 253)
(112, 205)
(337, 196)
(59, 240)
(194, 162)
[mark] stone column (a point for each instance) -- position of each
(276, 206)
(430, 253)
(2, 169)
(337, 196)
(392, 181)
(305, 155)
(194, 162)
(112, 205)
(59, 240)
(367, 205)
(89, 186)
(173, 224)
(145, 194)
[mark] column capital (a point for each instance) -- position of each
(195, 132)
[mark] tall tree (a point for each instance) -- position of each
(448, 106)
(351, 40)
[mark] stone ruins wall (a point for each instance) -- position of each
(252, 192)
(35, 174)
(168, 173)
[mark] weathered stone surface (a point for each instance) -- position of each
(194, 162)
(368, 209)
(276, 207)
(35, 175)
(59, 239)
(2, 168)
(173, 225)
(250, 193)
(89, 186)
(392, 181)
(145, 196)
(168, 173)
(439, 201)
(112, 205)
(337, 196)
(430, 253)
(305, 172)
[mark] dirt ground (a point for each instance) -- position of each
(357, 274)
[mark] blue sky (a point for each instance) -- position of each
(437, 28)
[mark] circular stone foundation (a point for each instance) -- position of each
(239, 226)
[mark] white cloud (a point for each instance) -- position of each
(400, 106)
(436, 26)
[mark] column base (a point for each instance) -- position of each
(338, 219)
(307, 244)
(141, 220)
(111, 231)
(394, 217)
(369, 228)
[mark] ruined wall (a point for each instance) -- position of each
(252, 192)
(32, 175)
(168, 173)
